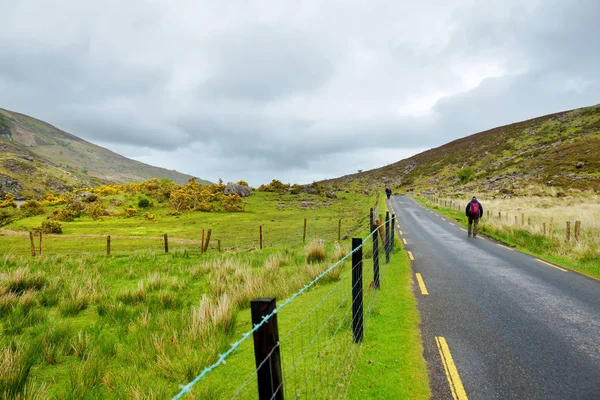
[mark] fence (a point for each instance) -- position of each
(311, 349)
(519, 220)
(265, 236)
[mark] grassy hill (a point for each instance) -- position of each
(552, 153)
(36, 157)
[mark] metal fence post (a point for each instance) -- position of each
(387, 237)
(266, 350)
(392, 232)
(375, 258)
(357, 290)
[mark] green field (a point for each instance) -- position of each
(141, 322)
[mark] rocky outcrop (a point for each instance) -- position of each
(240, 190)
(10, 185)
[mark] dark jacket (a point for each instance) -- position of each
(388, 191)
(480, 208)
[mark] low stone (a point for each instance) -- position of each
(579, 165)
(240, 190)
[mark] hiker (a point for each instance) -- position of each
(474, 211)
(388, 192)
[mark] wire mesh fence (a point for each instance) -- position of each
(309, 348)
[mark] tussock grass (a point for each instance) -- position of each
(21, 280)
(133, 296)
(81, 345)
(15, 366)
(74, 302)
(315, 251)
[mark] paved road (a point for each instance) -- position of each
(515, 328)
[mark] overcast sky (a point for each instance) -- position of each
(293, 90)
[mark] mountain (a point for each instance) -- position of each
(559, 151)
(36, 158)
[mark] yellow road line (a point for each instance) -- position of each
(422, 284)
(443, 219)
(506, 247)
(456, 386)
(553, 266)
(452, 224)
(400, 232)
(410, 255)
(404, 241)
(463, 229)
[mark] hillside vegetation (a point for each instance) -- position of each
(557, 151)
(36, 159)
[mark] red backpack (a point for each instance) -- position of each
(474, 209)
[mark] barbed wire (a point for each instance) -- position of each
(222, 357)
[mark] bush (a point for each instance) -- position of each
(51, 227)
(9, 201)
(95, 210)
(31, 208)
(8, 215)
(465, 174)
(130, 212)
(63, 215)
(242, 183)
(143, 203)
(232, 203)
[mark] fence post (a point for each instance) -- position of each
(266, 345)
(544, 228)
(205, 248)
(392, 232)
(568, 231)
(32, 244)
(219, 244)
(304, 234)
(41, 236)
(260, 232)
(488, 214)
(202, 244)
(522, 219)
(108, 245)
(529, 221)
(516, 221)
(499, 215)
(357, 290)
(375, 257)
(577, 230)
(166, 243)
(387, 237)
(339, 229)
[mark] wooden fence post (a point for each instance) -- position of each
(261, 237)
(205, 249)
(522, 219)
(108, 245)
(568, 231)
(166, 243)
(529, 221)
(357, 290)
(41, 236)
(219, 244)
(544, 228)
(266, 346)
(551, 228)
(577, 230)
(32, 244)
(202, 245)
(387, 237)
(516, 221)
(339, 229)
(500, 215)
(304, 234)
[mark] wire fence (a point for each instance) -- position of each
(261, 236)
(321, 335)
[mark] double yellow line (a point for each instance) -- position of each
(456, 386)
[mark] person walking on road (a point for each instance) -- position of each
(474, 211)
(388, 192)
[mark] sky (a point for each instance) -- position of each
(293, 90)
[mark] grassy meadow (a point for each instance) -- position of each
(78, 324)
(538, 225)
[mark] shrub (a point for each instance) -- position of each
(242, 183)
(274, 186)
(31, 208)
(77, 207)
(149, 216)
(8, 215)
(9, 201)
(465, 174)
(130, 212)
(232, 203)
(143, 203)
(51, 227)
(94, 210)
(63, 215)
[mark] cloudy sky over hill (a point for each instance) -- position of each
(294, 90)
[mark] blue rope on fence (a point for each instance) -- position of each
(187, 388)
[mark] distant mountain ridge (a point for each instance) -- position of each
(37, 158)
(552, 153)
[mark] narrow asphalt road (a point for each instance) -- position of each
(515, 328)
